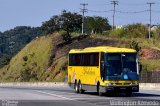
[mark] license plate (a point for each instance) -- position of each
(123, 88)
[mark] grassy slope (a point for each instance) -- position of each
(151, 65)
(30, 63)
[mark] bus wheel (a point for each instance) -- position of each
(81, 91)
(76, 87)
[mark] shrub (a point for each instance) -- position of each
(28, 75)
(25, 58)
(136, 31)
(135, 45)
(156, 33)
(119, 33)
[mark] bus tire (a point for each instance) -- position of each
(76, 87)
(81, 91)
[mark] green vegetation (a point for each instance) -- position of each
(151, 65)
(130, 31)
(31, 63)
(71, 22)
(96, 24)
(12, 41)
(35, 63)
(67, 21)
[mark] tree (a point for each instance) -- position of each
(52, 25)
(67, 21)
(70, 22)
(97, 24)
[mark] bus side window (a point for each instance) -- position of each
(82, 60)
(94, 59)
(86, 60)
(71, 60)
(97, 59)
(77, 59)
(91, 60)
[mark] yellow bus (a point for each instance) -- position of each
(103, 70)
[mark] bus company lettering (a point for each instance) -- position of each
(88, 71)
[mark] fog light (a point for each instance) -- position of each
(134, 88)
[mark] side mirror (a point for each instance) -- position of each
(140, 67)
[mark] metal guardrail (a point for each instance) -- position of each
(33, 84)
(143, 86)
(150, 77)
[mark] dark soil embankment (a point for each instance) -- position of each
(83, 43)
(151, 53)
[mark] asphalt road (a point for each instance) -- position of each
(65, 96)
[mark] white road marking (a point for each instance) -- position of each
(95, 99)
(64, 93)
(77, 96)
(54, 95)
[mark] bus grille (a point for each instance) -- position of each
(123, 83)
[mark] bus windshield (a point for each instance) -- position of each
(118, 64)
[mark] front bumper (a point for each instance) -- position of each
(112, 88)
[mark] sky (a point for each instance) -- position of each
(33, 12)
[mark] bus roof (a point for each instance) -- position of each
(106, 49)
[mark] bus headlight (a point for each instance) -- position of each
(110, 84)
(135, 83)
